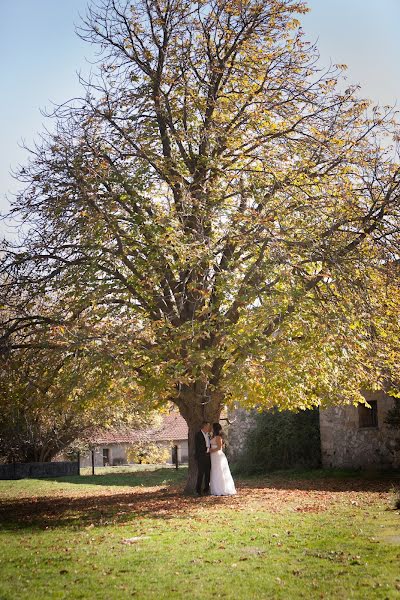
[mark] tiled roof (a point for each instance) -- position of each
(117, 436)
(172, 428)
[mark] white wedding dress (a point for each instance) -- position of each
(221, 482)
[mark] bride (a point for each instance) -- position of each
(221, 482)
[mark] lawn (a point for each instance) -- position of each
(125, 534)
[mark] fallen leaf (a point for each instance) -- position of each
(132, 540)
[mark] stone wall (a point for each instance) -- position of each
(35, 470)
(241, 422)
(345, 444)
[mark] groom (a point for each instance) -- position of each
(202, 453)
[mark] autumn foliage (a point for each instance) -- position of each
(227, 203)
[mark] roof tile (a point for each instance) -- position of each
(173, 428)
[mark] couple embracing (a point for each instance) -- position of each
(212, 464)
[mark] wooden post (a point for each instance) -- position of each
(79, 462)
(92, 462)
(176, 457)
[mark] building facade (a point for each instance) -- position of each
(110, 447)
(358, 436)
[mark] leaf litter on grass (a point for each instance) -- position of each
(268, 520)
(109, 507)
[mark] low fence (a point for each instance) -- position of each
(38, 469)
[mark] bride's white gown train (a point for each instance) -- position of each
(221, 482)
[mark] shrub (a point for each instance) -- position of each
(282, 440)
(393, 415)
(148, 453)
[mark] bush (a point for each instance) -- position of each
(148, 453)
(393, 415)
(282, 440)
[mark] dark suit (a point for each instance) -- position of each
(203, 463)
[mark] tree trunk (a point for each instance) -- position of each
(190, 486)
(194, 417)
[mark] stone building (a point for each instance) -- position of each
(358, 437)
(351, 436)
(111, 446)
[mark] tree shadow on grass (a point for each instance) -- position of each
(290, 479)
(97, 510)
(329, 480)
(149, 478)
(269, 495)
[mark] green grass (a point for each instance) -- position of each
(105, 478)
(133, 535)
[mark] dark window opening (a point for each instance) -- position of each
(106, 457)
(368, 417)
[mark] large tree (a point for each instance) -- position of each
(223, 197)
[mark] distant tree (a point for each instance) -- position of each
(54, 392)
(148, 453)
(225, 199)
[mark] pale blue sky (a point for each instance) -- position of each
(364, 34)
(40, 55)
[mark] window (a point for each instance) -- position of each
(368, 417)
